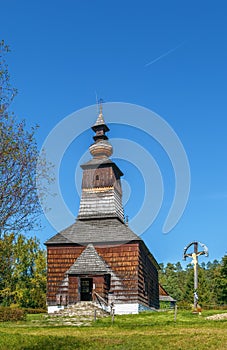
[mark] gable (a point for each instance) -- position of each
(89, 262)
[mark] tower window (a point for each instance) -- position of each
(97, 177)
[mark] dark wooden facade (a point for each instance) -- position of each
(134, 275)
(102, 177)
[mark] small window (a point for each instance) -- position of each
(97, 177)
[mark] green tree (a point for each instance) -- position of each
(212, 282)
(222, 282)
(205, 288)
(171, 278)
(6, 269)
(189, 284)
(23, 273)
(212, 270)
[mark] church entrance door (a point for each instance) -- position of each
(86, 289)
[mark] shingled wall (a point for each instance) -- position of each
(134, 275)
(59, 260)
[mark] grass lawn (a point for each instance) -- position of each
(153, 330)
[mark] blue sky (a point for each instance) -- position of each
(169, 57)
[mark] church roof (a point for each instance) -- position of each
(89, 262)
(100, 120)
(163, 294)
(96, 231)
(166, 298)
(101, 163)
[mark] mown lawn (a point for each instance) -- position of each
(155, 330)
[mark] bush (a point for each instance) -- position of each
(29, 310)
(165, 305)
(183, 305)
(11, 314)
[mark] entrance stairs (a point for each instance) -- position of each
(83, 313)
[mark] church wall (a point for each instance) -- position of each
(134, 278)
(100, 177)
(73, 289)
(59, 260)
(123, 260)
(100, 287)
(147, 279)
(101, 193)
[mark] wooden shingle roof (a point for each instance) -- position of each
(163, 295)
(89, 262)
(96, 231)
(95, 163)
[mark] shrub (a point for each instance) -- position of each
(183, 305)
(29, 310)
(11, 314)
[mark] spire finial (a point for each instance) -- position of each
(100, 102)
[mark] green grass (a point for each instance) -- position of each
(144, 331)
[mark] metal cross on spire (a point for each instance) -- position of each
(194, 255)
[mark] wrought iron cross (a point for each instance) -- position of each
(194, 255)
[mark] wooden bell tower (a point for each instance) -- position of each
(101, 184)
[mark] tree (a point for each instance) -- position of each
(212, 270)
(22, 261)
(6, 264)
(222, 282)
(171, 278)
(19, 202)
(22, 272)
(205, 287)
(212, 282)
(7, 92)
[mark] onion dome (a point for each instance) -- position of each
(101, 148)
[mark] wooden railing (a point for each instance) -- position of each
(100, 300)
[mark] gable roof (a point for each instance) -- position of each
(96, 231)
(163, 295)
(162, 291)
(89, 262)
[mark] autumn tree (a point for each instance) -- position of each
(19, 202)
(22, 261)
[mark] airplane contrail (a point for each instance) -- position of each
(163, 55)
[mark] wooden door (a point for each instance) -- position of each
(86, 289)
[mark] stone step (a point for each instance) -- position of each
(82, 309)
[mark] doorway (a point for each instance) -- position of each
(86, 289)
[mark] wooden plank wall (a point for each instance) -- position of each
(59, 260)
(148, 279)
(134, 278)
(101, 178)
(123, 260)
(73, 289)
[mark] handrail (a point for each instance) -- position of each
(100, 300)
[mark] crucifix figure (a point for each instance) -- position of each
(194, 257)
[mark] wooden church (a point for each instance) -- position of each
(99, 258)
